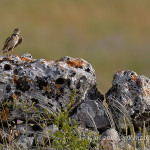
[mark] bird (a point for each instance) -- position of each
(11, 42)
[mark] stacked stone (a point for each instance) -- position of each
(29, 87)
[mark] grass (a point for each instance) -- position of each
(125, 126)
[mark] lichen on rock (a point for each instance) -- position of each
(53, 80)
(130, 92)
(48, 85)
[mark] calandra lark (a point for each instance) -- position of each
(11, 42)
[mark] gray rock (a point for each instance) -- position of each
(94, 115)
(24, 129)
(111, 134)
(44, 136)
(46, 83)
(25, 81)
(48, 131)
(24, 142)
(129, 97)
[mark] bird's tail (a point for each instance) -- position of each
(2, 51)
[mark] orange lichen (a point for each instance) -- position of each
(147, 92)
(15, 79)
(47, 89)
(24, 59)
(30, 80)
(134, 77)
(9, 58)
(5, 114)
(78, 63)
(6, 58)
(15, 97)
(61, 68)
(58, 91)
(57, 85)
(57, 63)
(48, 61)
(52, 64)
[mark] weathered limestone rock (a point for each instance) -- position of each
(129, 96)
(24, 142)
(94, 115)
(48, 85)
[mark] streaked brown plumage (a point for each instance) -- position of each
(11, 42)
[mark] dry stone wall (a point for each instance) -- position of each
(25, 81)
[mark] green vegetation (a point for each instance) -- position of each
(68, 134)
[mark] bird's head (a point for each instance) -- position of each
(16, 31)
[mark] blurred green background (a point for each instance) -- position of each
(110, 34)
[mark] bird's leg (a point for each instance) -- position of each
(7, 53)
(13, 50)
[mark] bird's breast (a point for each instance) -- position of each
(13, 41)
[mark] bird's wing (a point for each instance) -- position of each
(19, 42)
(6, 42)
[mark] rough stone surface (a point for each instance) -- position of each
(48, 85)
(24, 129)
(94, 115)
(53, 79)
(24, 142)
(130, 92)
